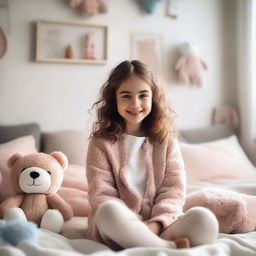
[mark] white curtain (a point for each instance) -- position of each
(246, 56)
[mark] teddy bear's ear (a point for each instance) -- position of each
(13, 159)
(61, 158)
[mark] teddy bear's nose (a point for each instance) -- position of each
(34, 175)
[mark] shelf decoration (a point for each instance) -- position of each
(3, 43)
(190, 66)
(90, 7)
(90, 46)
(173, 9)
(149, 5)
(148, 47)
(69, 52)
(226, 115)
(71, 42)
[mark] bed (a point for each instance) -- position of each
(215, 149)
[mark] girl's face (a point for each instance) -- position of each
(134, 103)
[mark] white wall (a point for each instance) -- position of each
(57, 96)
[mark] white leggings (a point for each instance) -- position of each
(119, 227)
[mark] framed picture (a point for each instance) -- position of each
(71, 42)
(4, 15)
(148, 47)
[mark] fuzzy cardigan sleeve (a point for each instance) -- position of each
(100, 178)
(168, 204)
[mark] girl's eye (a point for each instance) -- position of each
(49, 172)
(125, 96)
(143, 96)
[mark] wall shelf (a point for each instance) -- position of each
(71, 42)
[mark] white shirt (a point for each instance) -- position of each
(137, 174)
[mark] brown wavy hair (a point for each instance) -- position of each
(157, 125)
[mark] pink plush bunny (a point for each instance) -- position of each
(190, 66)
(90, 7)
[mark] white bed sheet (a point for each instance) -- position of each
(52, 244)
(71, 244)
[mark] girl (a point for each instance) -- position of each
(135, 170)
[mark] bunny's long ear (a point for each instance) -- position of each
(61, 158)
(13, 159)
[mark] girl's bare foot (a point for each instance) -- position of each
(182, 242)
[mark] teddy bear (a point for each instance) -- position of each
(190, 66)
(15, 231)
(90, 7)
(35, 179)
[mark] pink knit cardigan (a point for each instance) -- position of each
(164, 196)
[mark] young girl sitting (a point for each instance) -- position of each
(135, 170)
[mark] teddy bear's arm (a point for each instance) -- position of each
(56, 202)
(14, 201)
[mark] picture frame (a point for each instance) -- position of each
(71, 42)
(4, 15)
(148, 48)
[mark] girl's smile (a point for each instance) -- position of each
(134, 102)
(134, 113)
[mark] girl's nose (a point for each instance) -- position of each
(135, 102)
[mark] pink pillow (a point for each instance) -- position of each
(74, 189)
(218, 159)
(23, 145)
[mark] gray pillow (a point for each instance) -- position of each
(206, 134)
(11, 132)
(73, 143)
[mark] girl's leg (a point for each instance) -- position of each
(198, 224)
(119, 225)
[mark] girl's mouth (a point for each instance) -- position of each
(134, 113)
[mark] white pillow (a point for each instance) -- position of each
(218, 159)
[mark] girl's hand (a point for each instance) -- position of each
(155, 227)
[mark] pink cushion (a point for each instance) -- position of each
(74, 189)
(216, 160)
(23, 145)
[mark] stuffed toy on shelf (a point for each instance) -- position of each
(190, 66)
(15, 231)
(90, 7)
(35, 179)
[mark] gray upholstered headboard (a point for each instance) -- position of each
(11, 132)
(210, 133)
(207, 134)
